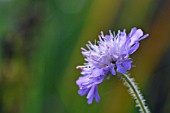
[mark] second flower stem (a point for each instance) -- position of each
(134, 91)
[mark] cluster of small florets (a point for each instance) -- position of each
(109, 55)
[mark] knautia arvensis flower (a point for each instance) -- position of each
(109, 55)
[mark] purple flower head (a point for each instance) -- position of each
(109, 55)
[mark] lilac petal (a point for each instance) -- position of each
(120, 68)
(94, 56)
(143, 37)
(97, 72)
(133, 30)
(136, 36)
(107, 37)
(113, 71)
(127, 44)
(134, 48)
(91, 92)
(122, 38)
(127, 64)
(81, 80)
(97, 97)
(106, 70)
(104, 60)
(90, 100)
(82, 92)
(99, 80)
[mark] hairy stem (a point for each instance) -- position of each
(134, 91)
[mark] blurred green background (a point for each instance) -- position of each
(40, 44)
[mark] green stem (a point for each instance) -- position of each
(134, 91)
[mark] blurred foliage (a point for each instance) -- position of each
(40, 47)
